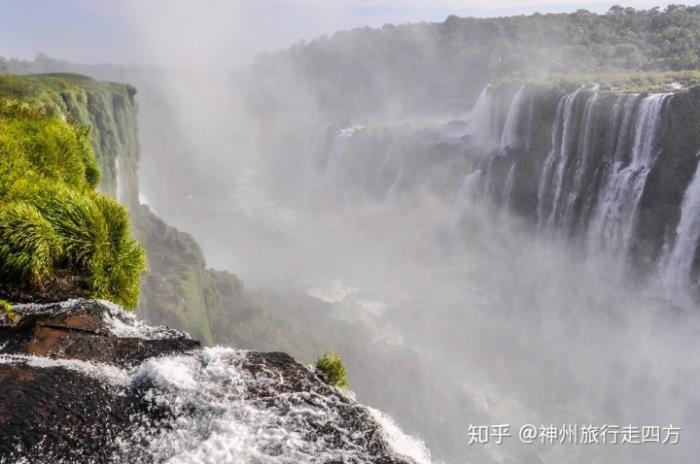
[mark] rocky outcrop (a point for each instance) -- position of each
(85, 330)
(83, 381)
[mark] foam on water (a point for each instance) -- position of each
(224, 413)
(104, 372)
(403, 444)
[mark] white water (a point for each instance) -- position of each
(615, 216)
(231, 428)
(119, 187)
(585, 146)
(679, 263)
(482, 125)
(509, 137)
(222, 413)
(552, 177)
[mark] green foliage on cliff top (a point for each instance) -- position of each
(445, 65)
(331, 368)
(108, 109)
(52, 221)
(618, 82)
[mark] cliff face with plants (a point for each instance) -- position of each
(109, 110)
(59, 236)
(63, 137)
(89, 382)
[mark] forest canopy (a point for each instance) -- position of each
(446, 64)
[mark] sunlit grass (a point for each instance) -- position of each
(51, 217)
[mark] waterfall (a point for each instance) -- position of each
(615, 216)
(509, 137)
(565, 186)
(118, 188)
(508, 190)
(553, 168)
(482, 125)
(585, 146)
(511, 141)
(679, 264)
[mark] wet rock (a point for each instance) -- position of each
(85, 382)
(85, 330)
(57, 415)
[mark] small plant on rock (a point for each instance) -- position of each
(7, 313)
(331, 369)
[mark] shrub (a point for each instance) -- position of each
(28, 243)
(117, 272)
(49, 147)
(331, 369)
(51, 218)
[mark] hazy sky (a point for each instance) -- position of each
(92, 31)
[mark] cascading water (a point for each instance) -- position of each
(584, 153)
(483, 127)
(513, 139)
(220, 405)
(591, 184)
(614, 218)
(119, 187)
(552, 177)
(510, 136)
(565, 185)
(509, 185)
(679, 263)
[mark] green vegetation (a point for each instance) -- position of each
(173, 290)
(52, 220)
(7, 313)
(618, 82)
(437, 66)
(331, 369)
(108, 109)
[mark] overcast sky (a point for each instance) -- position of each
(91, 31)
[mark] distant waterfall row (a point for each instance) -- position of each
(606, 180)
(612, 174)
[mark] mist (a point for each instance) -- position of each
(367, 204)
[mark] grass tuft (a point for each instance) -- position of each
(52, 221)
(331, 369)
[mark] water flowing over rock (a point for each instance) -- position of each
(679, 274)
(483, 123)
(83, 381)
(605, 171)
(612, 178)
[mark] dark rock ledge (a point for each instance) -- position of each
(54, 409)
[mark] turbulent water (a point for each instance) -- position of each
(217, 422)
(492, 254)
(493, 304)
(231, 406)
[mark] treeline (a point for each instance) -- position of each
(444, 65)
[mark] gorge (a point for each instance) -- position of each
(491, 220)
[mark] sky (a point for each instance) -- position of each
(98, 31)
